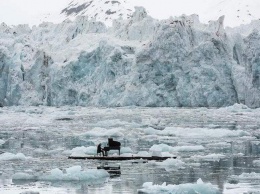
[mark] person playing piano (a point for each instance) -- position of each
(100, 150)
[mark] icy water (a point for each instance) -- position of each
(228, 136)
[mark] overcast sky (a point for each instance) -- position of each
(24, 11)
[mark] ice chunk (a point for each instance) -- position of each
(199, 187)
(150, 131)
(30, 192)
(83, 151)
(256, 163)
(144, 153)
(210, 157)
(74, 170)
(100, 132)
(171, 164)
(157, 153)
(74, 173)
(237, 108)
(167, 148)
(160, 148)
(203, 132)
(187, 148)
(1, 142)
(126, 150)
(23, 176)
(251, 175)
(10, 156)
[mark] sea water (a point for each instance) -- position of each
(46, 135)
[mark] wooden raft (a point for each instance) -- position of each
(121, 158)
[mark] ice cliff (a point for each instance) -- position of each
(139, 61)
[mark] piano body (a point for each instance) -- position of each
(112, 145)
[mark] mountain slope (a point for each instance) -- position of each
(32, 12)
(100, 10)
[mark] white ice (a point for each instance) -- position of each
(74, 173)
(9, 156)
(200, 187)
(141, 61)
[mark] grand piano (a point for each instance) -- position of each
(112, 145)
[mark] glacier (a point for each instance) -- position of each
(141, 61)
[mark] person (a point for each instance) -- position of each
(100, 150)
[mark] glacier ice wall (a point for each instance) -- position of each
(136, 62)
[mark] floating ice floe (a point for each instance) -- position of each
(256, 163)
(126, 150)
(199, 187)
(251, 175)
(240, 188)
(83, 151)
(1, 142)
(23, 176)
(9, 156)
(167, 148)
(30, 192)
(150, 131)
(144, 153)
(202, 132)
(101, 132)
(74, 173)
(237, 108)
(170, 164)
(210, 157)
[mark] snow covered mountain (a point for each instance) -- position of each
(33, 12)
(101, 10)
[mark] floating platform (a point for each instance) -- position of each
(121, 158)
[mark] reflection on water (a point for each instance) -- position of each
(113, 170)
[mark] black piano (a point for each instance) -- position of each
(112, 145)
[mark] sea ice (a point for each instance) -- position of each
(170, 164)
(252, 175)
(167, 148)
(82, 151)
(256, 163)
(203, 132)
(23, 176)
(199, 187)
(101, 132)
(30, 192)
(143, 153)
(10, 156)
(209, 157)
(1, 142)
(74, 173)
